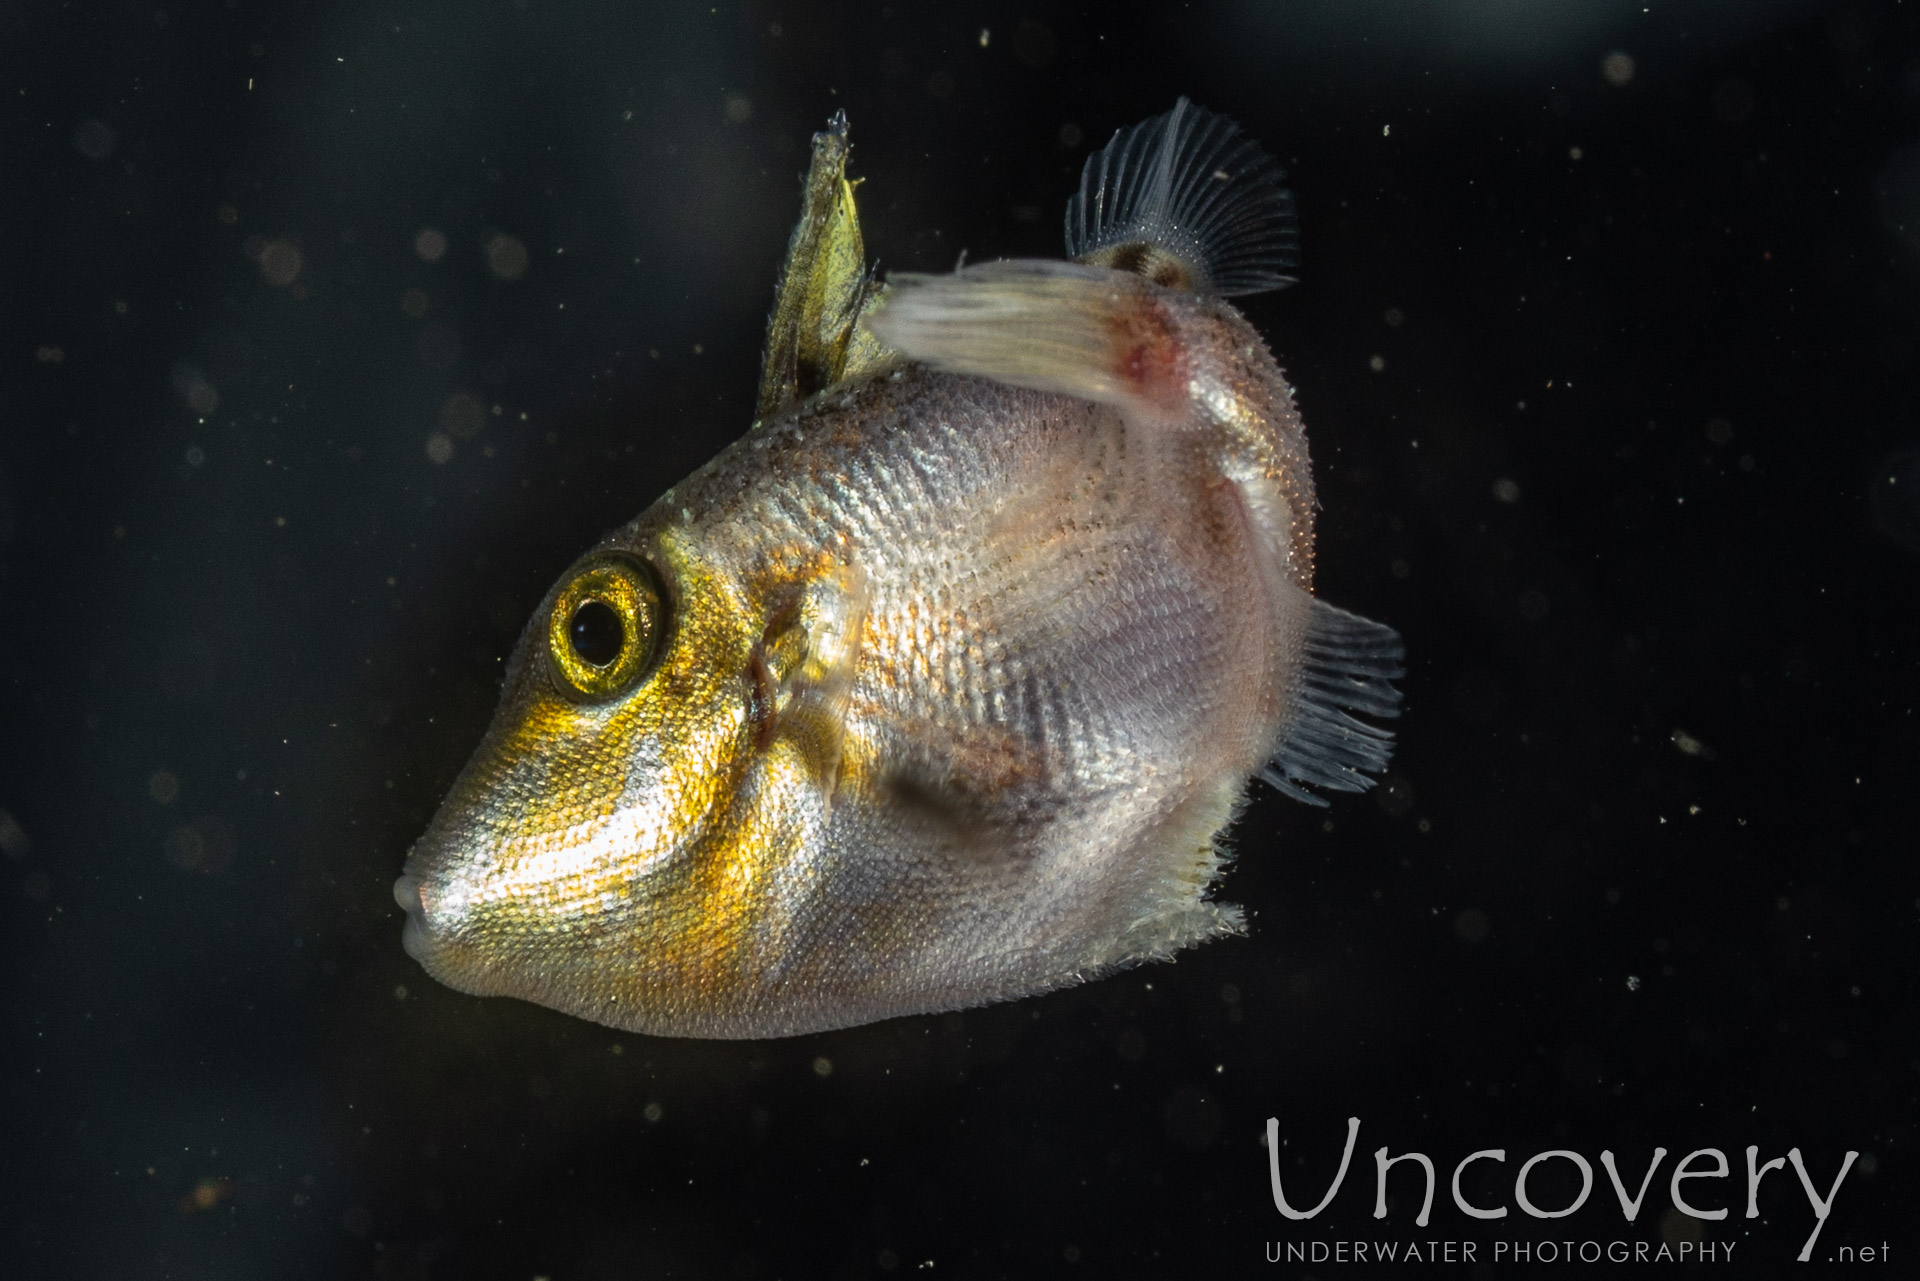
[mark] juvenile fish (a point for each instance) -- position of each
(941, 685)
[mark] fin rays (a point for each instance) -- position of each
(1191, 186)
(1349, 666)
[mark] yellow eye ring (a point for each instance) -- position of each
(605, 627)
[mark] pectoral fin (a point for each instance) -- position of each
(805, 664)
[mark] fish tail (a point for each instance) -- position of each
(1188, 201)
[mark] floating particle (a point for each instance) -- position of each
(1897, 188)
(13, 837)
(823, 1067)
(506, 257)
(1719, 430)
(414, 303)
(1033, 43)
(1191, 1117)
(163, 786)
(280, 262)
(439, 447)
(1689, 745)
(1617, 67)
(205, 846)
(93, 139)
(1506, 490)
(1678, 1227)
(1394, 796)
(206, 1194)
(463, 415)
(1895, 498)
(430, 244)
(1732, 100)
(739, 108)
(1472, 925)
(201, 395)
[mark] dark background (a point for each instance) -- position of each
(1609, 370)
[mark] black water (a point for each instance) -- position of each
(332, 336)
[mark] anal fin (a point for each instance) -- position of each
(1346, 672)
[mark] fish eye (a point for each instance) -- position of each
(605, 628)
(597, 633)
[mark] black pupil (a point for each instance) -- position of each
(597, 633)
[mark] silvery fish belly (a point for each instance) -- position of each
(942, 685)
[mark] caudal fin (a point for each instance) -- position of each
(1191, 203)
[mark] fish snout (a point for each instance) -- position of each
(437, 932)
(409, 893)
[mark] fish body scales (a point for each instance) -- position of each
(940, 686)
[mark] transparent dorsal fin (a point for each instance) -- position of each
(1348, 672)
(1187, 200)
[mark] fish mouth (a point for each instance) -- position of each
(433, 935)
(408, 893)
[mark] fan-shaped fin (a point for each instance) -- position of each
(1349, 667)
(1190, 202)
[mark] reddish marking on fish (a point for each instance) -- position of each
(1149, 354)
